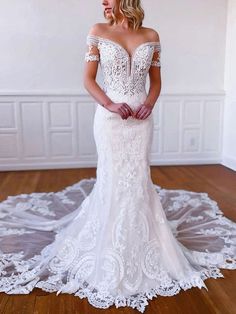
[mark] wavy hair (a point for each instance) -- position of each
(130, 9)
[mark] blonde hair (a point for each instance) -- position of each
(131, 9)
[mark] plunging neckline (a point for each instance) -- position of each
(124, 49)
(129, 56)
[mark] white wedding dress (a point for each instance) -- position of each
(117, 239)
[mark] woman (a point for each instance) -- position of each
(119, 239)
(128, 34)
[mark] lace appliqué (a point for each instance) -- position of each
(156, 61)
(92, 54)
(123, 74)
(91, 57)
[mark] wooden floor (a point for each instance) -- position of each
(216, 180)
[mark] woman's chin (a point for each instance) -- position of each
(108, 15)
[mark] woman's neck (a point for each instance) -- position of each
(122, 24)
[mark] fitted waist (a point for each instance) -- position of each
(134, 100)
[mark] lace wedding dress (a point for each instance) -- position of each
(117, 239)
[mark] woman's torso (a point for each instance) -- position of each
(125, 66)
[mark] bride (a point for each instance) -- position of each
(118, 239)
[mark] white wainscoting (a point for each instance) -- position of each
(42, 131)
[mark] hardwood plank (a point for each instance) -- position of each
(4, 298)
(42, 305)
(20, 304)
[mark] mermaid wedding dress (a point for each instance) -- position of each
(118, 239)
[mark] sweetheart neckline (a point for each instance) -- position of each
(126, 51)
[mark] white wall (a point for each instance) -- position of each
(43, 43)
(229, 147)
(193, 40)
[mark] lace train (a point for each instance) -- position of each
(38, 250)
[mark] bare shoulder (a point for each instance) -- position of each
(151, 34)
(97, 29)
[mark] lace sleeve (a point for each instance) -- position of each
(93, 52)
(156, 59)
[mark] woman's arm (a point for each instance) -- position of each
(155, 82)
(90, 72)
(92, 59)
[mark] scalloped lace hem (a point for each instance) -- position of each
(139, 301)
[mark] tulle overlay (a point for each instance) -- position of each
(117, 239)
(63, 242)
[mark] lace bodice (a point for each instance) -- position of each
(122, 73)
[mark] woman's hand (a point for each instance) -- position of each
(121, 108)
(143, 112)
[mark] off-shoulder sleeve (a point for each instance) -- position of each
(156, 59)
(92, 53)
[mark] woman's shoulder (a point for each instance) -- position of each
(151, 34)
(97, 29)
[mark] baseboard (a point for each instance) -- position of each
(230, 162)
(93, 164)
